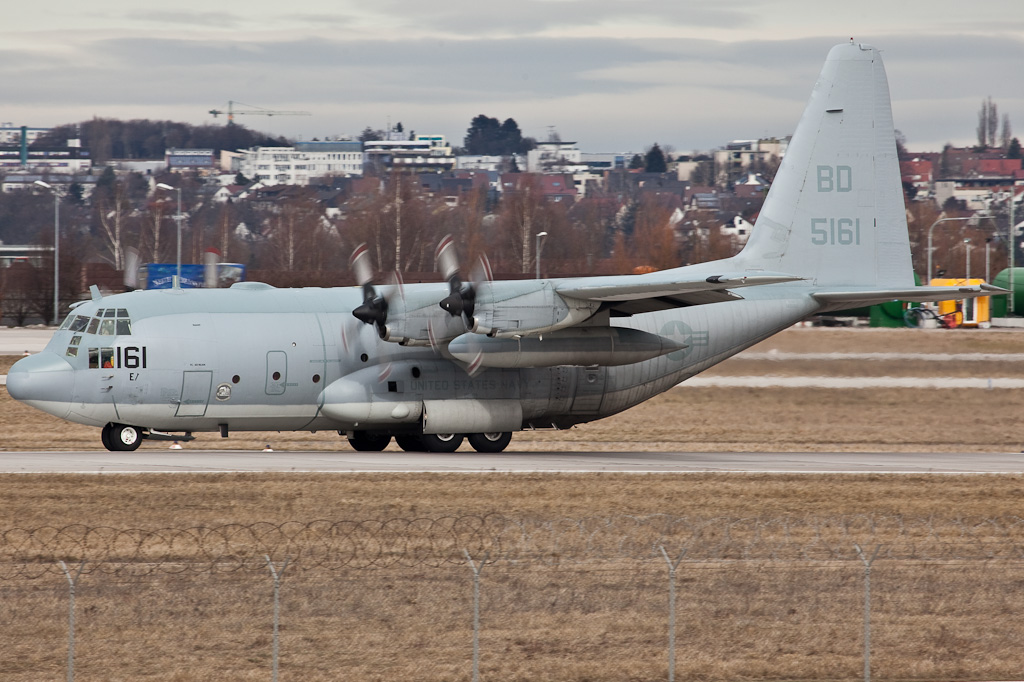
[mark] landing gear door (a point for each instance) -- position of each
(277, 372)
(195, 394)
(589, 390)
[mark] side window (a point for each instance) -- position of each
(124, 327)
(94, 358)
(107, 358)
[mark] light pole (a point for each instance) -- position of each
(56, 249)
(928, 274)
(177, 221)
(540, 245)
(967, 265)
(988, 259)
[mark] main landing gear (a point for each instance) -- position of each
(368, 441)
(121, 437)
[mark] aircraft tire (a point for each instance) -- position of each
(123, 438)
(364, 441)
(490, 442)
(105, 437)
(410, 443)
(441, 442)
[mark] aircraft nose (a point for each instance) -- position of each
(45, 381)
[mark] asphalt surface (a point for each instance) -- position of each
(200, 461)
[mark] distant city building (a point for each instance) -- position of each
(425, 153)
(299, 164)
(741, 156)
(14, 182)
(11, 134)
(190, 160)
(549, 156)
(51, 159)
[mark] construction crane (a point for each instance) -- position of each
(259, 111)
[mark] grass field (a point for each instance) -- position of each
(567, 611)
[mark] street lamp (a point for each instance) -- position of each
(967, 268)
(56, 248)
(930, 230)
(177, 221)
(540, 245)
(988, 259)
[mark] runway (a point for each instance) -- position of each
(220, 461)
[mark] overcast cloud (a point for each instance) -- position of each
(614, 75)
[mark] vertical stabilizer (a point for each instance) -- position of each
(835, 212)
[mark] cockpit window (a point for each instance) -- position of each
(107, 322)
(67, 321)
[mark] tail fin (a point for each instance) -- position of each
(835, 213)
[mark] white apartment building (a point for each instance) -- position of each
(550, 156)
(299, 164)
(11, 134)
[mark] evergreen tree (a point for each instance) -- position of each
(654, 160)
(1013, 149)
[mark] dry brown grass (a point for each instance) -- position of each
(592, 620)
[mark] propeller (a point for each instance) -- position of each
(461, 300)
(374, 308)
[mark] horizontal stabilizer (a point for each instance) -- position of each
(914, 295)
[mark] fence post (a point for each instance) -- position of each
(277, 609)
(476, 568)
(867, 606)
(72, 584)
(672, 565)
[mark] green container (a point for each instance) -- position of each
(999, 303)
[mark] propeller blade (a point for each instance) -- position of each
(359, 263)
(446, 259)
(131, 268)
(481, 271)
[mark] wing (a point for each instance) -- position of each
(635, 294)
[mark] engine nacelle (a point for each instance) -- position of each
(509, 309)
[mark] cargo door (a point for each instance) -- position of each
(195, 393)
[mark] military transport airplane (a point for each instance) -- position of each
(436, 363)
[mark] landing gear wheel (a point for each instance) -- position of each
(121, 437)
(364, 441)
(441, 442)
(490, 442)
(105, 436)
(410, 443)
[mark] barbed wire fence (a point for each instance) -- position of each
(754, 579)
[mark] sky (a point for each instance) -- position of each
(611, 75)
